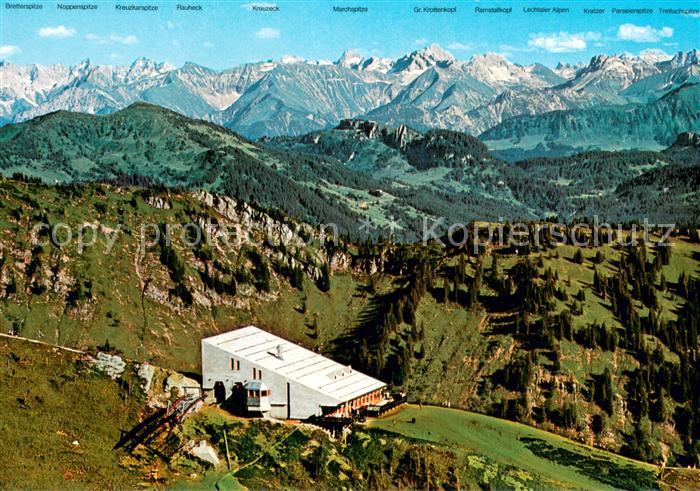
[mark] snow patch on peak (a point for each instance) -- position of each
(435, 52)
(496, 71)
(567, 70)
(291, 59)
(350, 59)
(415, 63)
(488, 58)
(376, 64)
(654, 55)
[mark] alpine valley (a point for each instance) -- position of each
(518, 110)
(368, 180)
(541, 364)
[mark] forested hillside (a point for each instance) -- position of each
(366, 179)
(581, 185)
(149, 145)
(653, 125)
(595, 342)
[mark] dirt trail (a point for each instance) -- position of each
(65, 348)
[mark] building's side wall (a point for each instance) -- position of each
(304, 401)
(216, 368)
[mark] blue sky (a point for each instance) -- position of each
(228, 33)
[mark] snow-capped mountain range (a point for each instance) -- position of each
(426, 88)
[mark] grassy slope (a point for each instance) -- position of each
(502, 441)
(51, 399)
(373, 457)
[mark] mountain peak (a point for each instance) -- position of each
(145, 67)
(488, 62)
(567, 70)
(353, 60)
(497, 71)
(422, 59)
(291, 59)
(616, 62)
(683, 58)
(143, 62)
(350, 59)
(436, 52)
(374, 63)
(396, 137)
(489, 57)
(196, 68)
(609, 74)
(654, 55)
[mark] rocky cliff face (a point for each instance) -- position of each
(397, 137)
(688, 139)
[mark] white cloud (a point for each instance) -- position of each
(112, 38)
(421, 41)
(562, 42)
(208, 45)
(56, 32)
(130, 39)
(267, 33)
(642, 34)
(7, 50)
(457, 46)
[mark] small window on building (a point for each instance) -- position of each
(235, 364)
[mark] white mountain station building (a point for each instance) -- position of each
(283, 379)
